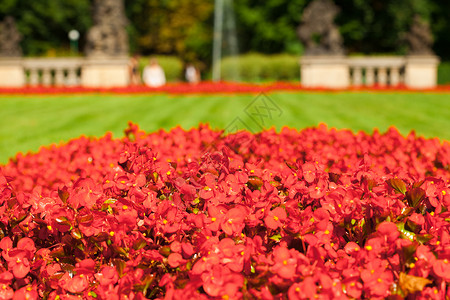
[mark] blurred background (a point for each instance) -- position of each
(181, 31)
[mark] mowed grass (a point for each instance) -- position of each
(28, 122)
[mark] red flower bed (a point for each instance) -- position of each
(204, 88)
(319, 213)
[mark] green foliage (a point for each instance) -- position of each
(440, 26)
(444, 73)
(378, 26)
(286, 67)
(44, 24)
(185, 27)
(172, 66)
(259, 67)
(269, 26)
(176, 27)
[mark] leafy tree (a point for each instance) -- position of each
(180, 27)
(45, 24)
(269, 26)
(377, 26)
(185, 27)
(440, 25)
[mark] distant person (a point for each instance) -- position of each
(192, 74)
(134, 70)
(153, 74)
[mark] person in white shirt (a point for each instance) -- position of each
(153, 74)
(192, 74)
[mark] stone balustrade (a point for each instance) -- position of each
(416, 72)
(377, 71)
(70, 71)
(52, 71)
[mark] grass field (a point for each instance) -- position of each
(28, 122)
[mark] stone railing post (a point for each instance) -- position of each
(105, 72)
(59, 77)
(357, 76)
(394, 76)
(12, 73)
(382, 76)
(325, 72)
(421, 71)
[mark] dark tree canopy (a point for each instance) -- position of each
(184, 27)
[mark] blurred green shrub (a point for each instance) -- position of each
(444, 73)
(257, 67)
(172, 65)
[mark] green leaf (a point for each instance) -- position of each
(63, 221)
(424, 238)
(76, 234)
(120, 250)
(85, 219)
(255, 182)
(415, 196)
(165, 251)
(63, 194)
(397, 184)
(405, 233)
(139, 244)
(275, 237)
(110, 201)
(120, 266)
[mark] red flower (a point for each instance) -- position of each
(108, 275)
(309, 172)
(275, 218)
(85, 193)
(6, 292)
(19, 263)
(285, 264)
(306, 289)
(441, 268)
(222, 282)
(389, 231)
(6, 245)
(77, 284)
(377, 279)
(27, 292)
(352, 287)
(233, 221)
(175, 260)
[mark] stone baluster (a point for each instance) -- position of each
(72, 77)
(59, 77)
(34, 77)
(395, 76)
(357, 76)
(382, 76)
(46, 77)
(370, 76)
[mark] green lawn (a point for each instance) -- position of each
(28, 122)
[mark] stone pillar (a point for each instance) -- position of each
(421, 71)
(325, 72)
(12, 73)
(105, 72)
(106, 48)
